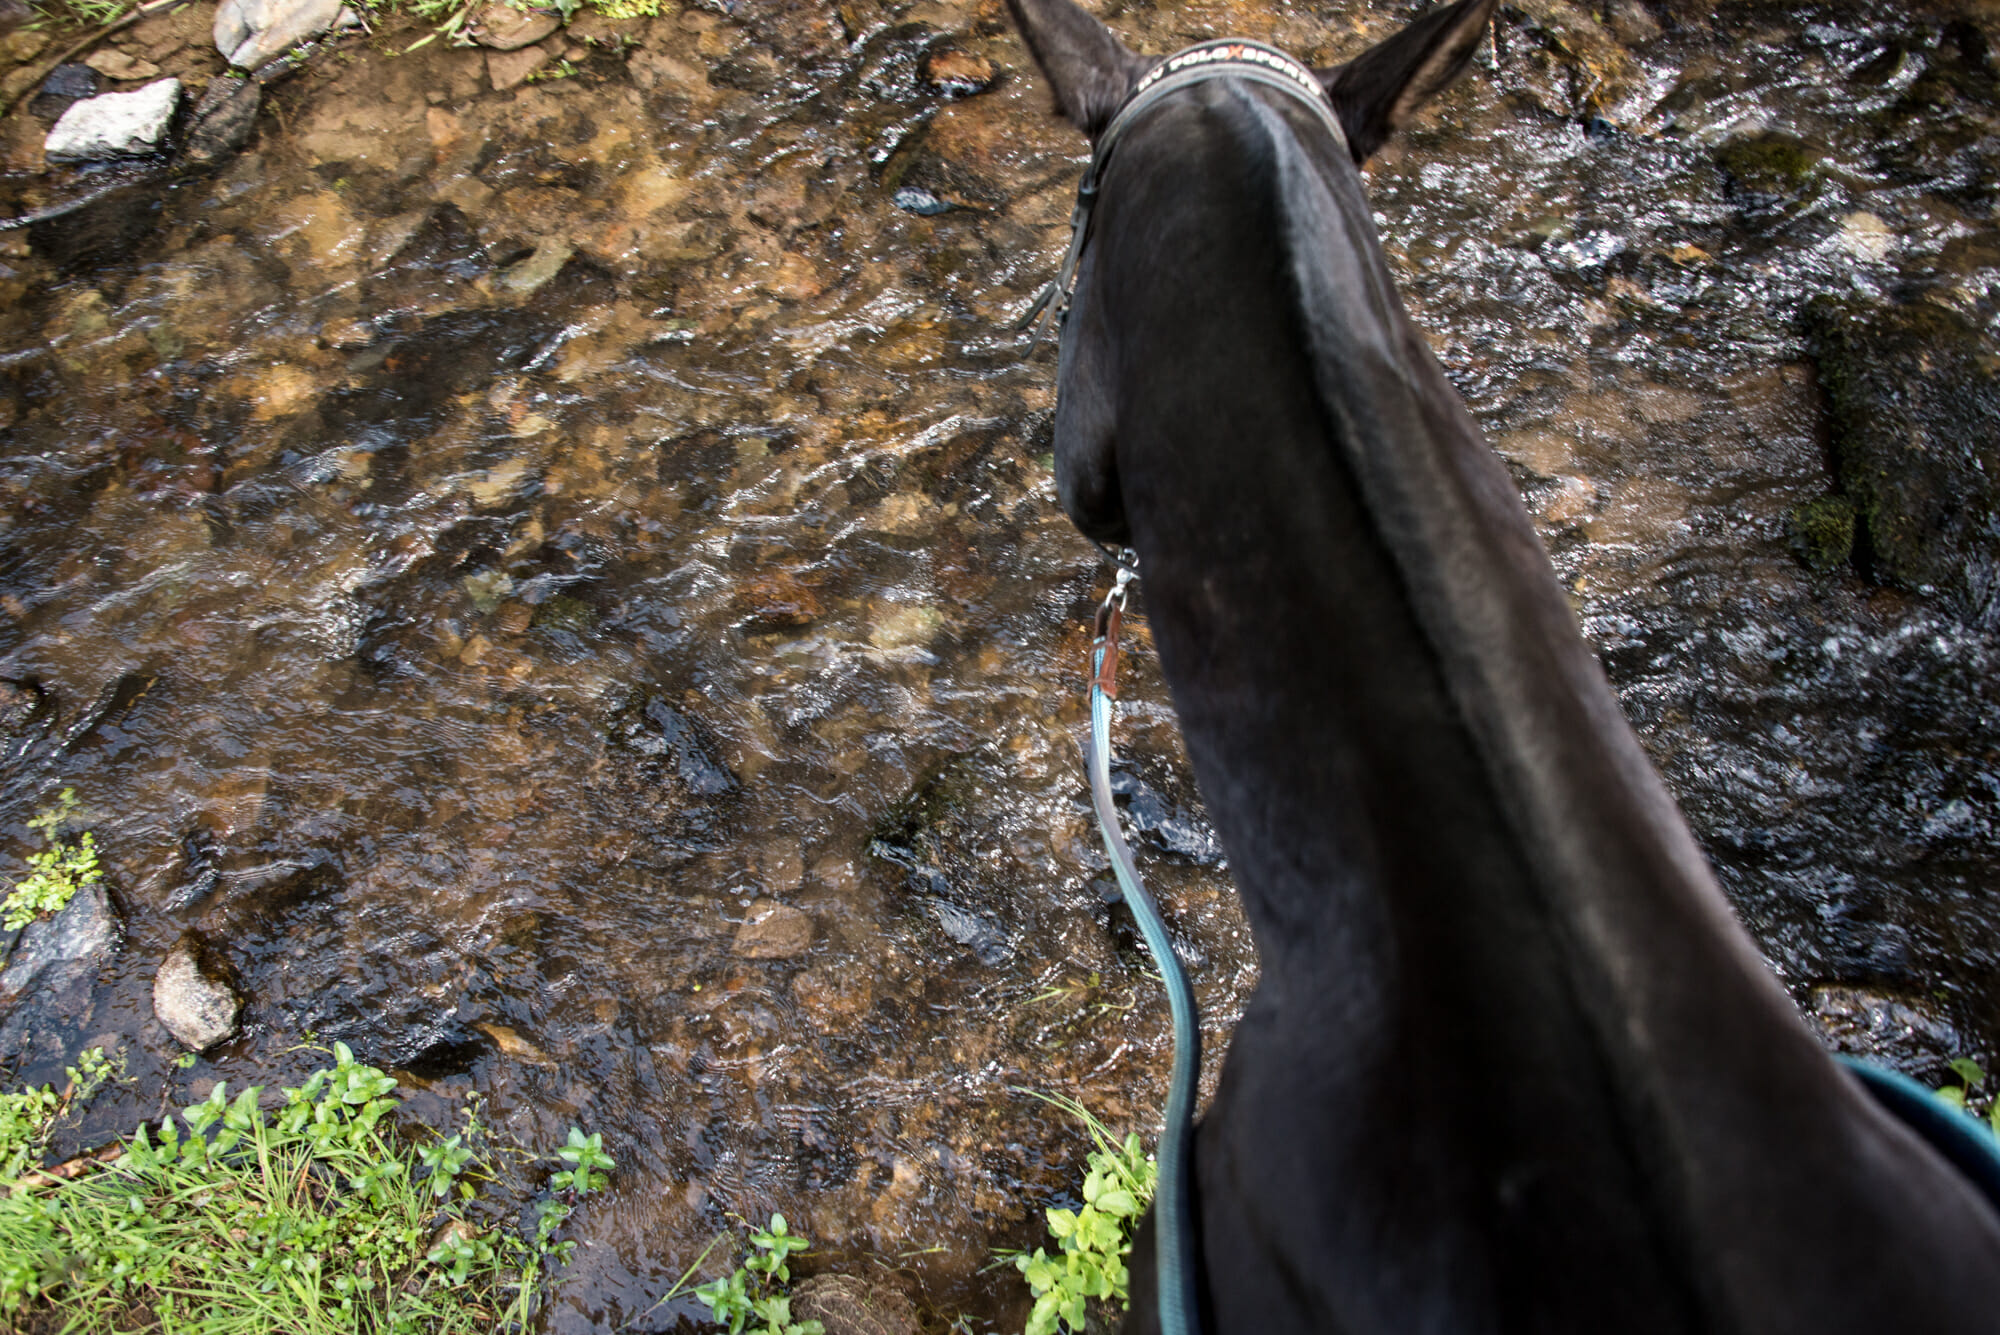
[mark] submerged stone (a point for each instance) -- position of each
(851, 1305)
(115, 125)
(58, 950)
(193, 998)
(1914, 405)
(774, 931)
(1769, 166)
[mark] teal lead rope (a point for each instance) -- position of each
(1173, 1227)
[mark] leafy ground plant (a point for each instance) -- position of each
(1093, 1242)
(27, 1117)
(57, 872)
(754, 1296)
(310, 1217)
(1969, 1093)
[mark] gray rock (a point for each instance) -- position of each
(223, 119)
(502, 27)
(975, 931)
(193, 998)
(252, 33)
(115, 125)
(56, 950)
(774, 931)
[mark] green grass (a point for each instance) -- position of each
(311, 1217)
(1092, 1243)
(57, 872)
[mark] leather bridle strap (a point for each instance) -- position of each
(1229, 58)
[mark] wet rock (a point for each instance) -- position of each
(1170, 828)
(850, 1305)
(834, 1000)
(1572, 66)
(957, 72)
(22, 705)
(509, 69)
(963, 157)
(120, 65)
(502, 27)
(1914, 405)
(115, 125)
(60, 950)
(251, 33)
(1822, 532)
(663, 731)
(777, 601)
(547, 260)
(1767, 168)
(193, 996)
(774, 931)
(223, 119)
(1907, 1033)
(975, 931)
(914, 199)
(66, 85)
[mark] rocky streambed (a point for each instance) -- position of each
(555, 581)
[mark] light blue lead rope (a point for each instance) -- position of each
(1174, 1229)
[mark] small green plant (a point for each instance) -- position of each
(756, 1290)
(1967, 1094)
(308, 1216)
(57, 872)
(1093, 1242)
(27, 1117)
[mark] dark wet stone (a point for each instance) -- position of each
(975, 931)
(1909, 1034)
(66, 84)
(224, 119)
(194, 995)
(1822, 531)
(923, 203)
(673, 736)
(109, 231)
(112, 704)
(850, 1305)
(1914, 409)
(1170, 828)
(57, 951)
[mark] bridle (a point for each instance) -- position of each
(1226, 58)
(1251, 62)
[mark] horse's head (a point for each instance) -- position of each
(1093, 76)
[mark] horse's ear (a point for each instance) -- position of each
(1089, 68)
(1378, 91)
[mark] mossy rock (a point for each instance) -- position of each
(1822, 532)
(563, 612)
(1770, 165)
(1913, 400)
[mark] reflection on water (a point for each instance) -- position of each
(478, 545)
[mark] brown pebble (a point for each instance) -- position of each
(505, 28)
(952, 70)
(774, 931)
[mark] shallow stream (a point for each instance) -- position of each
(475, 551)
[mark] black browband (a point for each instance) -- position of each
(1225, 58)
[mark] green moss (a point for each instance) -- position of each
(1770, 164)
(1822, 531)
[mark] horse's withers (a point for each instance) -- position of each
(1512, 1065)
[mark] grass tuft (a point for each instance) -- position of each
(310, 1217)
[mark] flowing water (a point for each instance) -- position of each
(476, 552)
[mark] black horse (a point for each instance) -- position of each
(1512, 1065)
